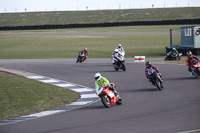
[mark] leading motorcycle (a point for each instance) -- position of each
(108, 97)
(156, 79)
(195, 67)
(171, 57)
(119, 61)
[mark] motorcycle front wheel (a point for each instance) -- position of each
(158, 84)
(119, 102)
(115, 67)
(80, 59)
(106, 101)
(123, 67)
(166, 58)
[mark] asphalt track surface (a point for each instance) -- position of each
(144, 108)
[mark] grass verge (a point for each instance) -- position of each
(100, 45)
(82, 17)
(20, 96)
(170, 62)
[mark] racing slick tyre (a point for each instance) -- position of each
(158, 84)
(115, 67)
(106, 101)
(123, 67)
(79, 59)
(166, 59)
(119, 102)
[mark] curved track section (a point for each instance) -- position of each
(87, 96)
(144, 109)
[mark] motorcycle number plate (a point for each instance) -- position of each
(111, 94)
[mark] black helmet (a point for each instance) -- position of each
(148, 64)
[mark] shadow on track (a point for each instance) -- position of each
(94, 107)
(181, 78)
(97, 107)
(109, 71)
(145, 90)
(141, 90)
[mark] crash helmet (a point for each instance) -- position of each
(116, 50)
(148, 64)
(85, 49)
(189, 53)
(119, 45)
(97, 76)
(174, 49)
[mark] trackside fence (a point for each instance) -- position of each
(133, 23)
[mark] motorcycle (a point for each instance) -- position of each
(108, 97)
(156, 79)
(171, 57)
(118, 61)
(81, 57)
(195, 67)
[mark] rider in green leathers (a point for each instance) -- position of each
(175, 52)
(100, 81)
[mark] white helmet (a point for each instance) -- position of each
(97, 76)
(119, 45)
(116, 50)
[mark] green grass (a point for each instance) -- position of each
(82, 17)
(170, 62)
(48, 46)
(20, 96)
(100, 45)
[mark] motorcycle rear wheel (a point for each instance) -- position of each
(106, 101)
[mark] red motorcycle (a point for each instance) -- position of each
(108, 97)
(195, 67)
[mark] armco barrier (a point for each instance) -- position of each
(133, 23)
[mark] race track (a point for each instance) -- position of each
(144, 109)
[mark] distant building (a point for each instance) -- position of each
(185, 39)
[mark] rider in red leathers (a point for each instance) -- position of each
(189, 60)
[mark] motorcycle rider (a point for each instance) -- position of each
(175, 52)
(189, 60)
(148, 67)
(120, 48)
(85, 52)
(100, 81)
(114, 55)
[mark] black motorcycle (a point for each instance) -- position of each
(171, 57)
(156, 79)
(81, 57)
